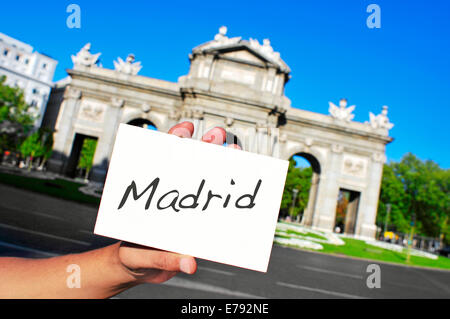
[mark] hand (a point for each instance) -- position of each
(106, 271)
(156, 266)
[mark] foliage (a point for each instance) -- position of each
(46, 144)
(37, 144)
(341, 208)
(31, 145)
(87, 155)
(416, 190)
(59, 188)
(15, 120)
(300, 179)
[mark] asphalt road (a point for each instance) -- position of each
(35, 225)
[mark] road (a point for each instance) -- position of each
(36, 225)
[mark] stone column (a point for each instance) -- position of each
(64, 130)
(173, 117)
(186, 114)
(106, 141)
(275, 142)
(261, 138)
(198, 122)
(312, 198)
(369, 202)
(328, 191)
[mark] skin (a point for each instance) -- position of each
(104, 272)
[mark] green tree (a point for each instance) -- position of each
(300, 179)
(419, 188)
(46, 149)
(15, 119)
(87, 155)
(30, 148)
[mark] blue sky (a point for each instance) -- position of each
(332, 53)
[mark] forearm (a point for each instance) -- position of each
(101, 275)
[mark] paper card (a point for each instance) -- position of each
(192, 197)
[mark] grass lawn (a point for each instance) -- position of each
(58, 187)
(358, 248)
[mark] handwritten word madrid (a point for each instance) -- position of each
(172, 199)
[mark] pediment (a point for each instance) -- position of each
(250, 51)
(244, 55)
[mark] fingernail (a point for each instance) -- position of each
(185, 265)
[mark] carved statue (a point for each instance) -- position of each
(128, 66)
(221, 36)
(342, 112)
(220, 39)
(85, 57)
(265, 49)
(380, 120)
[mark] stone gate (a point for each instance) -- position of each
(239, 85)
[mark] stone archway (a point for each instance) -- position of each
(308, 214)
(137, 116)
(144, 123)
(237, 84)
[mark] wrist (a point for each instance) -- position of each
(122, 277)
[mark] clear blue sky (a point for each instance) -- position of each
(405, 64)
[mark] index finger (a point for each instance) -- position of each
(183, 129)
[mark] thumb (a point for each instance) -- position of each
(143, 257)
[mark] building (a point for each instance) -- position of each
(31, 71)
(239, 85)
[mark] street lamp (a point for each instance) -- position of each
(386, 218)
(411, 237)
(294, 197)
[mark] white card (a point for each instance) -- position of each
(157, 189)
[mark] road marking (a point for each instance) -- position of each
(331, 272)
(222, 272)
(34, 232)
(33, 213)
(35, 251)
(190, 284)
(322, 291)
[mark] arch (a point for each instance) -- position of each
(315, 165)
(300, 148)
(142, 123)
(308, 215)
(144, 116)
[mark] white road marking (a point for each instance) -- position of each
(190, 284)
(34, 232)
(222, 272)
(322, 291)
(33, 213)
(338, 273)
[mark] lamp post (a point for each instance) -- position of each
(294, 197)
(411, 237)
(388, 211)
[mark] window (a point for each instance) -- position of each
(17, 57)
(44, 66)
(33, 103)
(26, 61)
(5, 52)
(34, 91)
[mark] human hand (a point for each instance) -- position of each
(151, 265)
